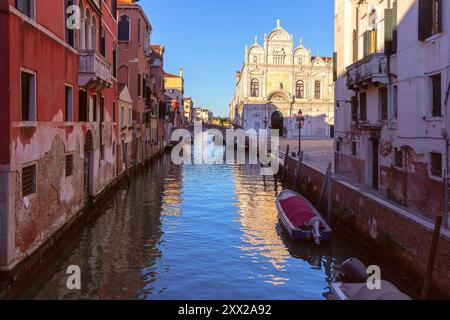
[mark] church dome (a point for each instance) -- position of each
(279, 34)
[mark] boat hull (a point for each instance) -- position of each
(298, 233)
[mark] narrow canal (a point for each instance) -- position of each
(191, 232)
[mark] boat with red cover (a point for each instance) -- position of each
(300, 219)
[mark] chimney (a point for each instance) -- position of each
(181, 72)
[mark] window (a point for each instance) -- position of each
(122, 116)
(130, 118)
(254, 90)
(102, 109)
(103, 42)
(94, 106)
(354, 105)
(395, 103)
(436, 95)
(300, 90)
(139, 31)
(102, 152)
(114, 8)
(430, 18)
(69, 30)
(139, 84)
(114, 111)
(363, 106)
(317, 93)
(69, 165)
(124, 28)
(255, 59)
(69, 104)
(354, 148)
(383, 103)
(436, 164)
(28, 96)
(28, 180)
(115, 61)
(370, 42)
(83, 109)
(26, 7)
(355, 45)
(338, 146)
(398, 158)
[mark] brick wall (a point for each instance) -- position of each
(377, 219)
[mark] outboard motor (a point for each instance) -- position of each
(314, 224)
(353, 271)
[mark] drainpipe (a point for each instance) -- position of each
(446, 178)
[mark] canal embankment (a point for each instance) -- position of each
(396, 238)
(18, 275)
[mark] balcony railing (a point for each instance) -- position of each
(94, 71)
(370, 70)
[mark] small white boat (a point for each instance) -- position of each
(354, 285)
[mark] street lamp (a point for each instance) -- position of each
(300, 124)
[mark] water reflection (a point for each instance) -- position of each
(191, 232)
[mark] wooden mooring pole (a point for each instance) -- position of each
(431, 260)
(297, 170)
(286, 158)
(326, 179)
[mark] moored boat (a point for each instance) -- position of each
(353, 285)
(301, 219)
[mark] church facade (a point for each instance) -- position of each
(277, 82)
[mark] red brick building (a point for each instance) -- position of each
(58, 104)
(134, 31)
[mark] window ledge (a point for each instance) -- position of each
(24, 124)
(434, 37)
(438, 179)
(434, 119)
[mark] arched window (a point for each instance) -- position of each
(254, 90)
(317, 93)
(124, 28)
(255, 59)
(94, 37)
(300, 90)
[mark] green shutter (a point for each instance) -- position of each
(388, 30)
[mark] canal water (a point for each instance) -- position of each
(191, 232)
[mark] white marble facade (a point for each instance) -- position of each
(277, 80)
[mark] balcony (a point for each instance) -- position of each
(94, 71)
(370, 70)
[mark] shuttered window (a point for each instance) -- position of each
(354, 109)
(430, 18)
(383, 103)
(363, 106)
(370, 42)
(436, 95)
(82, 106)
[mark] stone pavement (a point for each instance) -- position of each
(317, 152)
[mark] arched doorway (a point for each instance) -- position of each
(88, 169)
(278, 122)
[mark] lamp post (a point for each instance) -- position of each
(300, 124)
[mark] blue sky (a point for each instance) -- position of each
(208, 37)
